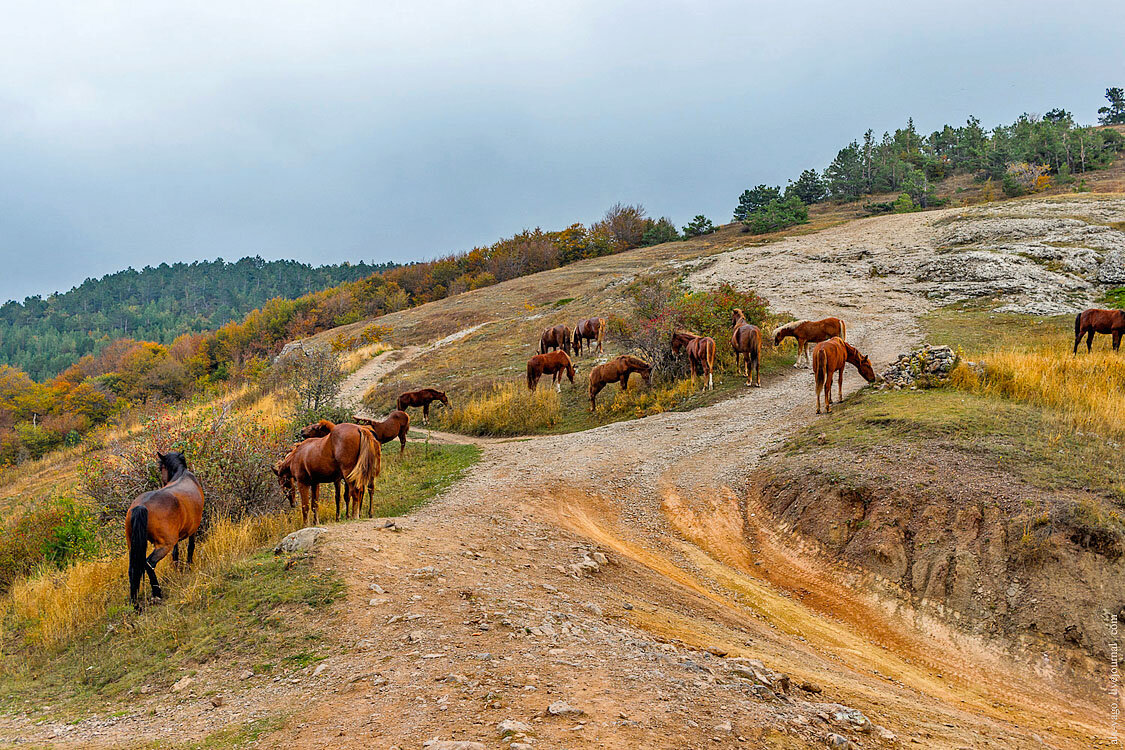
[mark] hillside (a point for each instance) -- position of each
(43, 337)
(868, 555)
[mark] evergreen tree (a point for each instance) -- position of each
(809, 187)
(700, 225)
(753, 199)
(1114, 114)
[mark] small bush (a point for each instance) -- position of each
(508, 409)
(24, 539)
(73, 538)
(640, 402)
(904, 204)
(776, 215)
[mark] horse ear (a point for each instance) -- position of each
(159, 456)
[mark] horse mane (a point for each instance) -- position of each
(326, 424)
(787, 327)
(174, 462)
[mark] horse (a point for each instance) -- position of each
(164, 517)
(700, 354)
(422, 397)
(553, 364)
(590, 329)
(617, 370)
(348, 451)
(828, 358)
(397, 424)
(555, 337)
(1089, 322)
(809, 332)
(746, 340)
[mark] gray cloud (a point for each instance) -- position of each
(138, 133)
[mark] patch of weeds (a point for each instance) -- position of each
(563, 301)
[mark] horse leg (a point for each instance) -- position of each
(314, 492)
(828, 394)
(425, 413)
(1077, 338)
(190, 549)
(840, 385)
(819, 388)
(1089, 341)
(336, 486)
(1116, 340)
(176, 555)
(304, 490)
(757, 371)
(150, 564)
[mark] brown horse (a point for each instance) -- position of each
(164, 517)
(396, 425)
(349, 452)
(590, 329)
(617, 370)
(554, 364)
(555, 337)
(828, 358)
(422, 397)
(700, 354)
(746, 340)
(809, 332)
(1089, 322)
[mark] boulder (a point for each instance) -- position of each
(301, 540)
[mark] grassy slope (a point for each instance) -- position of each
(254, 615)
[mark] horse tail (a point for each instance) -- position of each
(530, 377)
(138, 547)
(601, 332)
(369, 463)
(820, 366)
(843, 331)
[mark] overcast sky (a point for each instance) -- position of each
(135, 133)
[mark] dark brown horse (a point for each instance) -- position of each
(617, 370)
(1089, 322)
(700, 354)
(553, 364)
(829, 358)
(348, 452)
(396, 425)
(422, 397)
(590, 329)
(809, 332)
(555, 337)
(746, 340)
(164, 517)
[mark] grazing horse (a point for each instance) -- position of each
(555, 337)
(164, 517)
(746, 340)
(553, 364)
(422, 397)
(348, 452)
(396, 425)
(700, 354)
(828, 358)
(810, 332)
(590, 329)
(1089, 322)
(617, 370)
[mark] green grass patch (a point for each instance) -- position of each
(1035, 444)
(256, 609)
(421, 474)
(563, 301)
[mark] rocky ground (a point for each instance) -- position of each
(612, 588)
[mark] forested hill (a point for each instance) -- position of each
(44, 336)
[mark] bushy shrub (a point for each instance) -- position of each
(1022, 178)
(904, 204)
(74, 537)
(314, 374)
(699, 226)
(661, 307)
(777, 214)
(660, 231)
(232, 457)
(23, 539)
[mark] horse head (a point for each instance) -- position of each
(172, 464)
(737, 317)
(285, 481)
(862, 363)
(317, 430)
(443, 398)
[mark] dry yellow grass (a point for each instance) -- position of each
(1088, 390)
(353, 360)
(640, 402)
(509, 409)
(57, 605)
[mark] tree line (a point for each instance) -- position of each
(1025, 156)
(44, 336)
